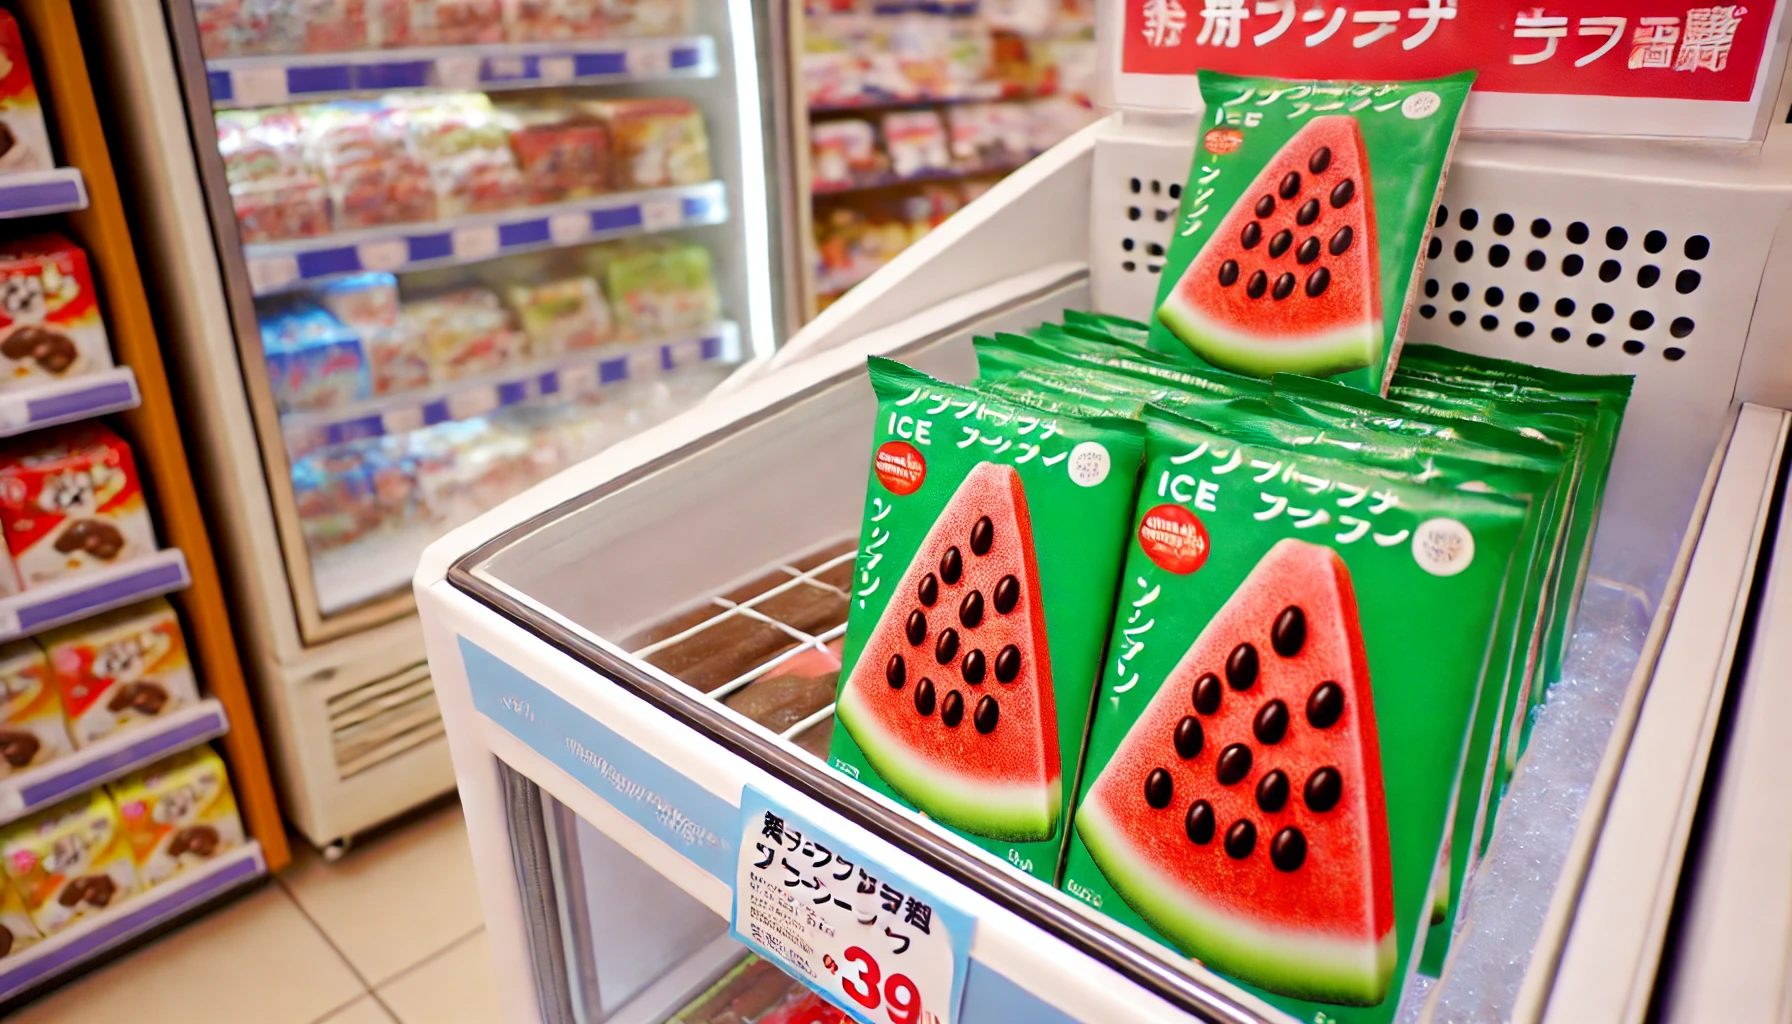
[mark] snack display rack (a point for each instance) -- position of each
(319, 562)
(136, 390)
(609, 803)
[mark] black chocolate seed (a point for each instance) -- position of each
(1241, 839)
(970, 610)
(951, 566)
(1266, 205)
(1007, 664)
(1320, 160)
(1459, 291)
(1234, 764)
(1465, 250)
(896, 672)
(1280, 243)
(1317, 282)
(1435, 248)
(1272, 791)
(1007, 594)
(1208, 693)
(1251, 235)
(1572, 264)
(1564, 307)
(1648, 275)
(1199, 824)
(1686, 282)
(1308, 213)
(1290, 185)
(1228, 273)
(1288, 850)
(1697, 247)
(973, 667)
(1271, 723)
(1325, 706)
(946, 648)
(1241, 667)
(1341, 242)
(929, 590)
(987, 713)
(1343, 192)
(983, 534)
(952, 709)
(1289, 634)
(924, 697)
(1159, 787)
(1189, 738)
(1308, 251)
(1325, 788)
(1258, 284)
(1284, 287)
(917, 628)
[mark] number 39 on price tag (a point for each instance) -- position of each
(876, 944)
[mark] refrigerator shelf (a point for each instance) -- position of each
(277, 266)
(116, 755)
(76, 597)
(460, 400)
(142, 913)
(35, 193)
(285, 78)
(65, 401)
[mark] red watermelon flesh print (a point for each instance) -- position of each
(951, 699)
(1291, 280)
(1243, 815)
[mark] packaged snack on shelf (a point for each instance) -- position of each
(70, 502)
(844, 153)
(406, 23)
(32, 731)
(362, 300)
(232, 28)
(658, 290)
(314, 360)
(990, 135)
(1283, 180)
(656, 142)
(16, 930)
(540, 21)
(337, 498)
(562, 316)
(120, 669)
(50, 325)
(916, 142)
(371, 175)
(69, 861)
(24, 141)
(465, 141)
(999, 573)
(277, 209)
(177, 813)
(563, 152)
(464, 333)
(795, 690)
(648, 18)
(745, 994)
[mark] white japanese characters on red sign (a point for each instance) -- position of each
(876, 944)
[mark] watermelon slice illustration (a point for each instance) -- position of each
(1291, 279)
(1243, 815)
(951, 699)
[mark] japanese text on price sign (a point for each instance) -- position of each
(880, 947)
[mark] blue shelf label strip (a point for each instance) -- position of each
(671, 807)
(151, 746)
(40, 195)
(88, 401)
(157, 579)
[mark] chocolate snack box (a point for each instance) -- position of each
(177, 813)
(120, 669)
(50, 326)
(70, 501)
(16, 930)
(31, 727)
(24, 142)
(69, 860)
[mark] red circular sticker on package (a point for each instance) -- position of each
(1220, 141)
(1174, 539)
(900, 467)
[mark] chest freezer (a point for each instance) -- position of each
(627, 654)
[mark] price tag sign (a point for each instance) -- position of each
(557, 69)
(477, 402)
(649, 58)
(661, 214)
(258, 87)
(457, 72)
(270, 272)
(879, 946)
(475, 242)
(572, 226)
(15, 412)
(383, 254)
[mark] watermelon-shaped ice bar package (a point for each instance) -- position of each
(1303, 224)
(1298, 648)
(985, 581)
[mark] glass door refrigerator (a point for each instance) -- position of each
(416, 255)
(637, 659)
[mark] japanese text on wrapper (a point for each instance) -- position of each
(1698, 41)
(810, 873)
(1338, 512)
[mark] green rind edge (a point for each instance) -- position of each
(1231, 946)
(1340, 351)
(955, 806)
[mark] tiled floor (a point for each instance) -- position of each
(391, 933)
